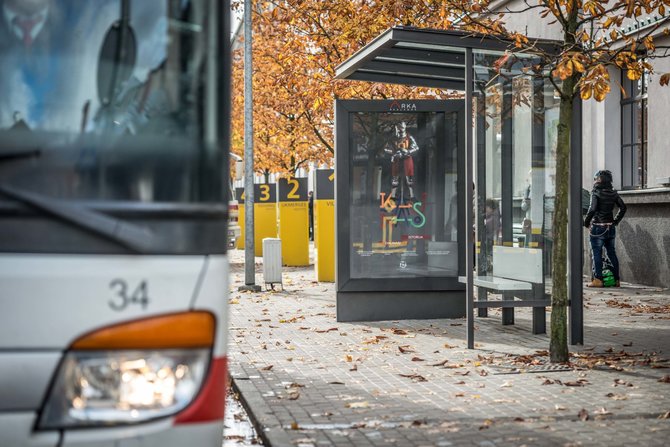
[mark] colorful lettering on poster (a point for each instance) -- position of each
(403, 212)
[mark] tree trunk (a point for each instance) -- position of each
(558, 346)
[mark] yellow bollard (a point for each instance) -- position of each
(265, 214)
(293, 221)
(324, 225)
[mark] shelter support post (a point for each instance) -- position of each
(575, 231)
(469, 252)
(507, 167)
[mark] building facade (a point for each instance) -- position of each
(627, 133)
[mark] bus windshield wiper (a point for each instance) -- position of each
(130, 236)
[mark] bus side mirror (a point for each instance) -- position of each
(116, 61)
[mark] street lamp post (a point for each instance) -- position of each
(249, 259)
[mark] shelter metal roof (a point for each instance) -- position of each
(421, 57)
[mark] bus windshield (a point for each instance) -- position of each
(106, 100)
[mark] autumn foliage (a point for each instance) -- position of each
(297, 46)
(299, 43)
(597, 35)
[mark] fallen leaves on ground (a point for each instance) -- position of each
(639, 308)
(583, 415)
(487, 423)
(293, 319)
(665, 379)
(355, 405)
(449, 427)
(618, 360)
(405, 349)
(374, 340)
(414, 377)
(267, 368)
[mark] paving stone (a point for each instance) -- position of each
(359, 389)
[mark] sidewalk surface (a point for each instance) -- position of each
(311, 381)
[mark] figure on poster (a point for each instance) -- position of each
(401, 147)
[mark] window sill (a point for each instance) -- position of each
(643, 196)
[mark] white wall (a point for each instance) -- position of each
(529, 23)
(601, 134)
(658, 163)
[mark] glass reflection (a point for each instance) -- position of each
(111, 94)
(404, 214)
(516, 116)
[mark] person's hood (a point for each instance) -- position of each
(601, 189)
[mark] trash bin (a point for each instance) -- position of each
(272, 262)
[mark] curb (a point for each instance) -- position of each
(266, 426)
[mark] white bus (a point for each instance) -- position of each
(114, 140)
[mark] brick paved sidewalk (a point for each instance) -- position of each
(310, 381)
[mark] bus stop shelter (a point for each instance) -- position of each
(509, 159)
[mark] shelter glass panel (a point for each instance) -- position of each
(403, 194)
(516, 117)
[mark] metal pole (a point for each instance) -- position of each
(249, 260)
(507, 172)
(575, 229)
(469, 252)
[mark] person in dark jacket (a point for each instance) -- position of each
(602, 222)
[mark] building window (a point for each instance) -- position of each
(634, 132)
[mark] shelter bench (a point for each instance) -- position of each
(517, 273)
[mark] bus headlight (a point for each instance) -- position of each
(132, 372)
(101, 388)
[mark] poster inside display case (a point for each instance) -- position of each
(403, 191)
